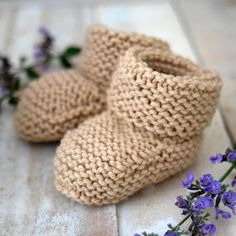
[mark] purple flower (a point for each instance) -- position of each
(210, 185)
(206, 180)
(224, 214)
(217, 158)
(171, 233)
(3, 89)
(208, 229)
(229, 200)
(232, 156)
(233, 183)
(137, 235)
(181, 202)
(37, 53)
(214, 187)
(188, 182)
(203, 203)
(44, 31)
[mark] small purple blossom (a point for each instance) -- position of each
(209, 229)
(214, 187)
(232, 156)
(229, 200)
(42, 53)
(206, 180)
(171, 233)
(216, 158)
(203, 203)
(188, 182)
(233, 183)
(224, 214)
(210, 185)
(181, 202)
(37, 53)
(44, 31)
(137, 235)
(3, 89)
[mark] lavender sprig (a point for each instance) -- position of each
(44, 53)
(203, 194)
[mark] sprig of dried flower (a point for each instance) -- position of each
(203, 194)
(44, 55)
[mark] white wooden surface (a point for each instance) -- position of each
(29, 204)
(215, 39)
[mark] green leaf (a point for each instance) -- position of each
(65, 62)
(13, 101)
(31, 73)
(71, 51)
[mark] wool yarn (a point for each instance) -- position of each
(158, 105)
(60, 101)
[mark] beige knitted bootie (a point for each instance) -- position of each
(58, 102)
(158, 105)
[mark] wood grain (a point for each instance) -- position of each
(228, 108)
(6, 21)
(156, 19)
(211, 25)
(29, 203)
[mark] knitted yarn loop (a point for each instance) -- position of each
(158, 105)
(61, 101)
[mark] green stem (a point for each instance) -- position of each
(183, 220)
(33, 65)
(225, 175)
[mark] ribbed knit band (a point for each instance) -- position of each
(103, 47)
(163, 92)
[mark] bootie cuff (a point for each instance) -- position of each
(163, 92)
(103, 47)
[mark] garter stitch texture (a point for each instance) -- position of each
(58, 102)
(158, 105)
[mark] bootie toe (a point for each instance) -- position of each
(55, 104)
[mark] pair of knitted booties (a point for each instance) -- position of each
(137, 109)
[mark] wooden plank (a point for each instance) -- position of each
(211, 27)
(153, 208)
(6, 15)
(15, 155)
(228, 107)
(65, 31)
(134, 18)
(27, 20)
(29, 203)
(71, 30)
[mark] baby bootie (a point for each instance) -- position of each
(158, 105)
(58, 102)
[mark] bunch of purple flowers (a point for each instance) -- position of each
(205, 193)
